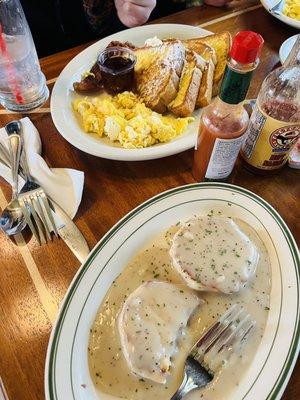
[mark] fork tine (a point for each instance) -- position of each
(47, 209)
(235, 336)
(217, 326)
(23, 204)
(31, 201)
(41, 214)
(241, 332)
(209, 338)
(227, 336)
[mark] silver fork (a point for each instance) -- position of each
(225, 337)
(33, 201)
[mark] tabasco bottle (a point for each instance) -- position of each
(224, 122)
(275, 122)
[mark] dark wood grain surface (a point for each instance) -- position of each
(33, 279)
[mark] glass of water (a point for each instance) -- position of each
(22, 84)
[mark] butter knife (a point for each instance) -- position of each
(69, 232)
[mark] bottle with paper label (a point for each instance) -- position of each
(275, 122)
(224, 122)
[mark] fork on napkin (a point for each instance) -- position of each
(63, 185)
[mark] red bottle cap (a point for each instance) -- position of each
(246, 47)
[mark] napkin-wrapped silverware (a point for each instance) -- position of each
(43, 215)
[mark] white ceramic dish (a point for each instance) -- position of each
(67, 375)
(286, 48)
(63, 94)
(287, 20)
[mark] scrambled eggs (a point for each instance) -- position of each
(292, 9)
(124, 118)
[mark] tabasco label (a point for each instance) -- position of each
(268, 141)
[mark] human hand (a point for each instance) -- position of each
(134, 12)
(216, 3)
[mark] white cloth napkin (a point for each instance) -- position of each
(63, 185)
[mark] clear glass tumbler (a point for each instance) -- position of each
(22, 84)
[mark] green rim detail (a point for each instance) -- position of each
(292, 354)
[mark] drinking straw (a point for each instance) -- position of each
(10, 70)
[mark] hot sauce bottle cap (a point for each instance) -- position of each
(246, 47)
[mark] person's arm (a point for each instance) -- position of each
(134, 12)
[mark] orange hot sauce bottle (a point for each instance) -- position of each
(224, 122)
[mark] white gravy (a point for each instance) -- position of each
(107, 364)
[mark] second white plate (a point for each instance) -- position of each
(63, 94)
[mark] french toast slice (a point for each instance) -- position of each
(157, 73)
(209, 55)
(221, 43)
(190, 80)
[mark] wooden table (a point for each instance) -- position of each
(33, 279)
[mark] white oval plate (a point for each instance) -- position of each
(67, 375)
(287, 20)
(286, 48)
(63, 94)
